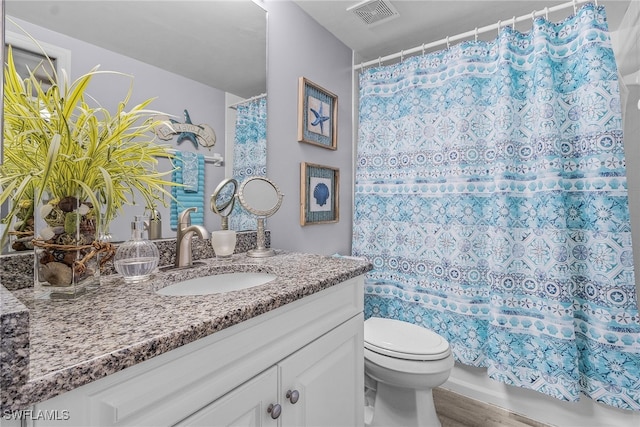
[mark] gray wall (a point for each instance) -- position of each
(300, 47)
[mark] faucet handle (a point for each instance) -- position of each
(185, 216)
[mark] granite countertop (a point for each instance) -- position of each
(72, 343)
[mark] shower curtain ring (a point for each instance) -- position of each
(475, 34)
(575, 8)
(513, 24)
(379, 61)
(546, 13)
(499, 22)
(401, 56)
(447, 42)
(422, 49)
(533, 16)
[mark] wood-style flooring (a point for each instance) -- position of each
(455, 410)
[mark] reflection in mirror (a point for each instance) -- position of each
(263, 198)
(231, 33)
(260, 196)
(249, 152)
(223, 199)
(218, 59)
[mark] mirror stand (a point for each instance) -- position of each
(223, 199)
(261, 250)
(262, 198)
(224, 223)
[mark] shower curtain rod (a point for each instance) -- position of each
(447, 40)
(244, 101)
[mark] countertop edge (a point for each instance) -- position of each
(14, 336)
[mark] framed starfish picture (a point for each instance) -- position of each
(317, 115)
(319, 190)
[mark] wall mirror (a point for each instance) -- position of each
(263, 198)
(220, 44)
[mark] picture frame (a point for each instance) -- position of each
(317, 115)
(319, 194)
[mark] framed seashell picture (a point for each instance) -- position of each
(319, 190)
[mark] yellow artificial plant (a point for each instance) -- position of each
(55, 143)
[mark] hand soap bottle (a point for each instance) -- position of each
(136, 258)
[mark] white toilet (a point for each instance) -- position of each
(403, 363)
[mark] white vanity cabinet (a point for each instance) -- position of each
(309, 352)
(245, 406)
(318, 385)
(328, 375)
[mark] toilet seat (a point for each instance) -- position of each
(403, 340)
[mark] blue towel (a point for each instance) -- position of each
(187, 199)
(190, 171)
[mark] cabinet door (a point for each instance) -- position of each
(328, 375)
(244, 406)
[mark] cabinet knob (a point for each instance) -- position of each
(274, 410)
(293, 396)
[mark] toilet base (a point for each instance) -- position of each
(401, 407)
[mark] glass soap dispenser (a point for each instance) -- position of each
(136, 258)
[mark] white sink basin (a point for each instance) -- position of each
(217, 284)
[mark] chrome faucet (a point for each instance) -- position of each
(185, 233)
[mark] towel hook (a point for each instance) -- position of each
(475, 34)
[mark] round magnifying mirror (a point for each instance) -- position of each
(223, 199)
(261, 197)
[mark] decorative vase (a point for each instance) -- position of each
(67, 249)
(21, 228)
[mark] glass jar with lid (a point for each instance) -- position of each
(137, 258)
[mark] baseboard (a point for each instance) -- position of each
(473, 383)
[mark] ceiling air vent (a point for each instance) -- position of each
(374, 11)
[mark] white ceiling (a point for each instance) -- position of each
(424, 21)
(222, 43)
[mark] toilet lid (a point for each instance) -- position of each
(403, 340)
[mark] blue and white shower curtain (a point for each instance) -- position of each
(249, 154)
(491, 200)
